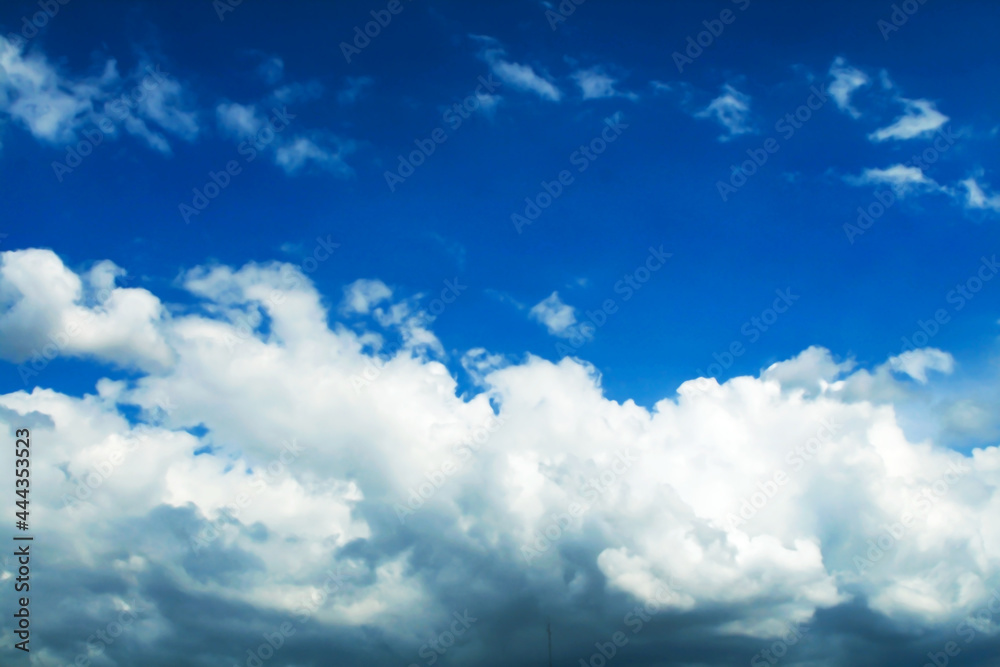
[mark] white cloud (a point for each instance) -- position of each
(56, 108)
(670, 505)
(239, 120)
(558, 318)
(595, 83)
(731, 109)
(846, 80)
(903, 179)
(290, 152)
(362, 294)
(46, 309)
(301, 151)
(517, 76)
(919, 118)
(977, 198)
(916, 363)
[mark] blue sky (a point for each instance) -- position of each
(657, 185)
(682, 208)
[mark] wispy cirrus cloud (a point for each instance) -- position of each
(518, 76)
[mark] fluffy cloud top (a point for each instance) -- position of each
(259, 467)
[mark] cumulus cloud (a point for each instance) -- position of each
(255, 469)
(516, 75)
(47, 310)
(361, 295)
(919, 118)
(846, 80)
(558, 318)
(731, 109)
(916, 363)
